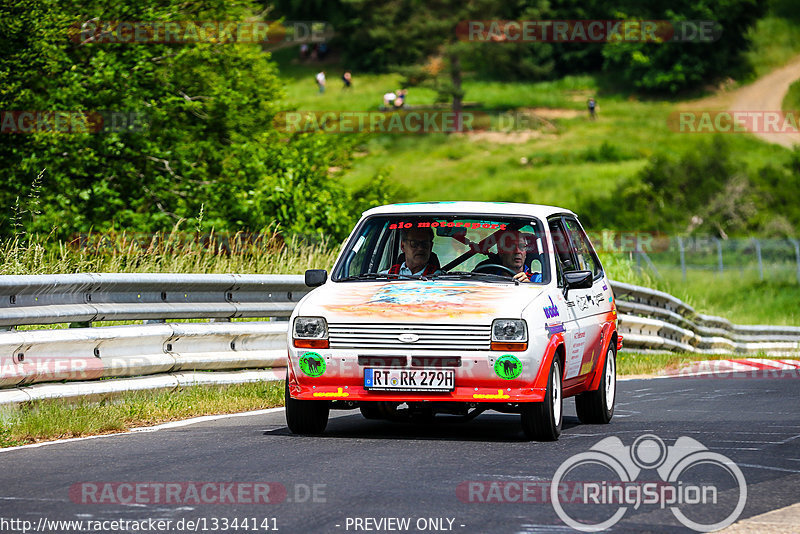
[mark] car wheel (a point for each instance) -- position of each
(597, 407)
(542, 420)
(305, 416)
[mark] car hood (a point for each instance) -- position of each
(418, 300)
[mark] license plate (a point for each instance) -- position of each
(409, 379)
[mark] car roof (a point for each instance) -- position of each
(449, 208)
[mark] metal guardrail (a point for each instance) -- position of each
(90, 297)
(174, 354)
(654, 320)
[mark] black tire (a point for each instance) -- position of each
(304, 416)
(541, 421)
(597, 407)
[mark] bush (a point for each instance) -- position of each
(706, 190)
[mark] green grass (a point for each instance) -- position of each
(740, 297)
(564, 163)
(791, 101)
(174, 252)
(59, 419)
(463, 167)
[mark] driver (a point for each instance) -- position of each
(512, 249)
(416, 244)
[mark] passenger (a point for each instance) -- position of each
(400, 98)
(512, 249)
(416, 245)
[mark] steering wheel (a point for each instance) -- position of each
(486, 265)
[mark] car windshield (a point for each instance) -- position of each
(481, 247)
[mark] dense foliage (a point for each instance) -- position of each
(675, 66)
(204, 139)
(379, 35)
(707, 190)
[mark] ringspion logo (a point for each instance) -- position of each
(704, 490)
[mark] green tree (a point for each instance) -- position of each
(208, 138)
(707, 190)
(670, 67)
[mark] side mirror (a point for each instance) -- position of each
(579, 279)
(316, 277)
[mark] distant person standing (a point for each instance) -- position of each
(321, 81)
(347, 78)
(592, 104)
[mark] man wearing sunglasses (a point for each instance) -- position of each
(512, 248)
(416, 259)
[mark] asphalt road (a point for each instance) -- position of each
(421, 472)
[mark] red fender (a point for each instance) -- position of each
(294, 387)
(549, 353)
(608, 332)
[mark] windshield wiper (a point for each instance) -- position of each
(469, 274)
(381, 276)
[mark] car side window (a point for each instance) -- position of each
(561, 245)
(584, 255)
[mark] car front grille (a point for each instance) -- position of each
(448, 337)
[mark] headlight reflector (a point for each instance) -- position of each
(509, 335)
(310, 332)
(509, 330)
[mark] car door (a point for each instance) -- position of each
(591, 305)
(574, 336)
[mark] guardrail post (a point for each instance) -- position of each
(683, 257)
(758, 255)
(719, 255)
(797, 257)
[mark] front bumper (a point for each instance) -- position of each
(475, 378)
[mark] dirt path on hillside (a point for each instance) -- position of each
(765, 94)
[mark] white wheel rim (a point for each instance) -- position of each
(611, 379)
(556, 393)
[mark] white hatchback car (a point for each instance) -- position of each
(457, 307)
